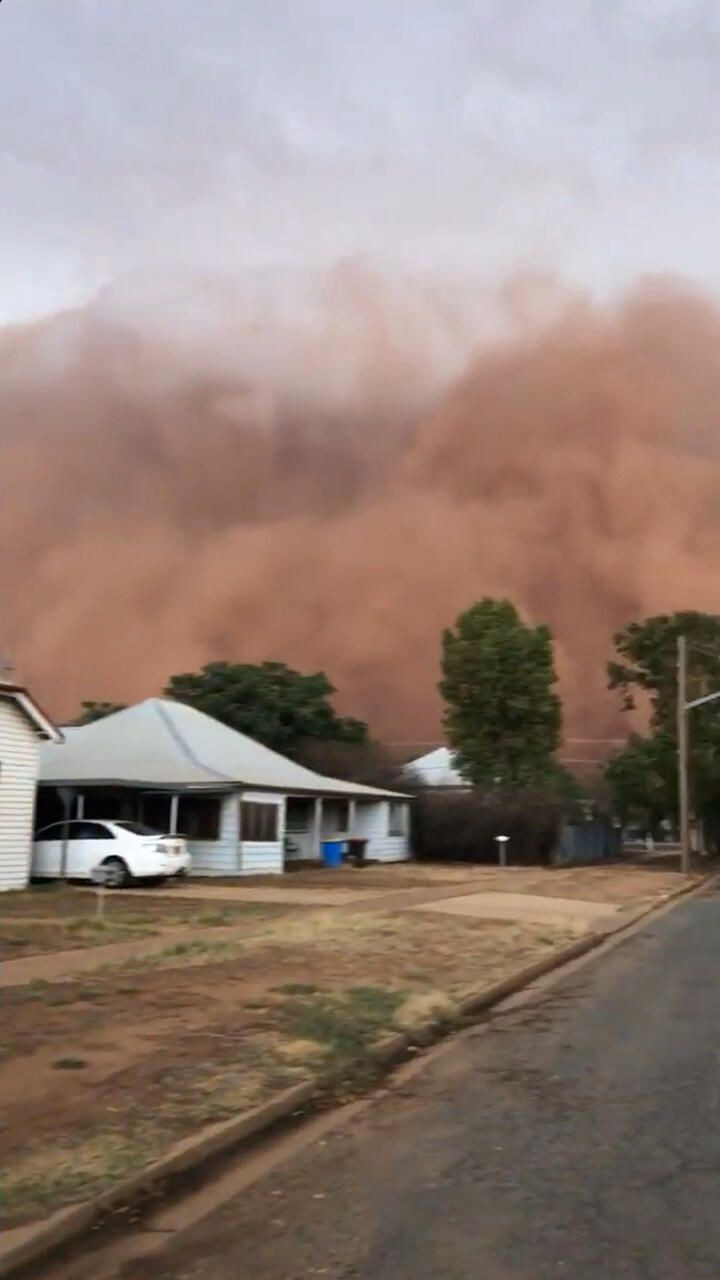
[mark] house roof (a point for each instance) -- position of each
(436, 769)
(43, 725)
(159, 743)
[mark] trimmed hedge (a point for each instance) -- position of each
(461, 826)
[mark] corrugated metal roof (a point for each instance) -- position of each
(159, 743)
(436, 769)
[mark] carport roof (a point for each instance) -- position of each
(159, 743)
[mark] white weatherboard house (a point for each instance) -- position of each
(244, 809)
(22, 728)
(436, 769)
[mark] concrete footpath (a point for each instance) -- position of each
(528, 908)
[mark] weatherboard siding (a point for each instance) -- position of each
(264, 857)
(219, 857)
(19, 750)
(231, 856)
(372, 821)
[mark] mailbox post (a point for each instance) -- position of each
(502, 844)
(99, 877)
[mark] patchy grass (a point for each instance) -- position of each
(425, 1008)
(25, 935)
(30, 938)
(211, 1026)
(97, 1155)
(296, 989)
(190, 948)
(214, 919)
(72, 1171)
(53, 903)
(335, 1030)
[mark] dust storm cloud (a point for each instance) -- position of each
(200, 473)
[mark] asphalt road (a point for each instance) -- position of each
(579, 1139)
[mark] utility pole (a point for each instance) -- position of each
(683, 709)
(682, 737)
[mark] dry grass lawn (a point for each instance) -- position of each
(100, 1075)
(615, 882)
(102, 1072)
(61, 918)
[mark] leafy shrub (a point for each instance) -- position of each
(462, 826)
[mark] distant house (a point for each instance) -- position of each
(436, 769)
(23, 726)
(244, 809)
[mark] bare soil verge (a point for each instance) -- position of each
(101, 1075)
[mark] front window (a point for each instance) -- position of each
(259, 822)
(199, 817)
(299, 816)
(397, 819)
(336, 817)
(155, 810)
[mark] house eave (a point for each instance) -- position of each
(140, 784)
(32, 711)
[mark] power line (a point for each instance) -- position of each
(701, 648)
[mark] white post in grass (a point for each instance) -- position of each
(502, 844)
(98, 875)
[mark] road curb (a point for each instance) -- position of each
(24, 1247)
(32, 1244)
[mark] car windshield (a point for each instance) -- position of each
(137, 828)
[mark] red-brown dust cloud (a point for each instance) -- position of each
(331, 489)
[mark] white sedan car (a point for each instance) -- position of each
(127, 850)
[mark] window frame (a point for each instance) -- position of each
(397, 826)
(203, 830)
(259, 822)
(293, 817)
(339, 809)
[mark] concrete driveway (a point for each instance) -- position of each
(572, 913)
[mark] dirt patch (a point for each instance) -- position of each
(160, 1050)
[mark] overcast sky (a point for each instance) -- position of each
(477, 136)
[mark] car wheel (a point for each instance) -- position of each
(117, 874)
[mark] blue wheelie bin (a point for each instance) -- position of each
(332, 852)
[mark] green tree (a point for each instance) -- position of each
(368, 762)
(269, 701)
(503, 716)
(643, 776)
(90, 711)
(642, 779)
